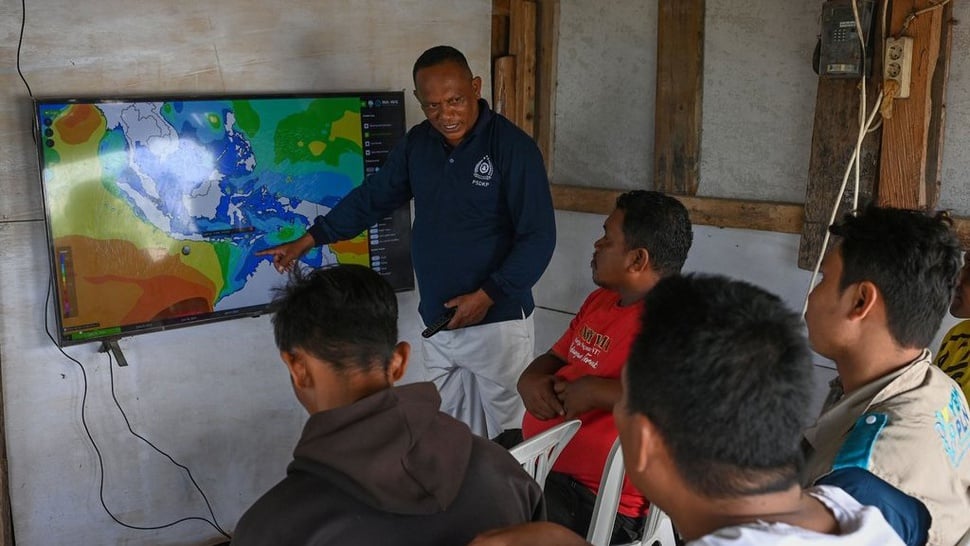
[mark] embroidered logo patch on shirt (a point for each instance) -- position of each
(953, 426)
(483, 172)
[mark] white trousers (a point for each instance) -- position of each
(476, 369)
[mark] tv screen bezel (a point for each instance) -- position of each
(63, 339)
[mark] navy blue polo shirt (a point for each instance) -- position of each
(483, 215)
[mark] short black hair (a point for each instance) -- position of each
(659, 223)
(438, 55)
(912, 258)
(723, 370)
(345, 315)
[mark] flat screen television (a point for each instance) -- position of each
(155, 207)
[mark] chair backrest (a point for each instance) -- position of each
(658, 530)
(537, 454)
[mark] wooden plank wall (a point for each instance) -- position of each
(680, 79)
(524, 50)
(906, 135)
(520, 28)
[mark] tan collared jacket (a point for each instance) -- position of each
(910, 428)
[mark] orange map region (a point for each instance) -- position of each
(117, 283)
(80, 122)
(354, 251)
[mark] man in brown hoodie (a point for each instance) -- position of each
(376, 464)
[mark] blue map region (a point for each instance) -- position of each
(190, 170)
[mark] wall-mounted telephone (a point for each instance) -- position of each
(839, 53)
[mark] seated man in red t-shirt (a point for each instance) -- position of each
(645, 239)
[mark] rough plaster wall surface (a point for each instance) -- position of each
(605, 97)
(214, 396)
(955, 179)
(759, 99)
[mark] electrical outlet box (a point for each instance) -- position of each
(898, 63)
(840, 50)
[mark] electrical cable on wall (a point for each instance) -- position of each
(84, 423)
(883, 105)
(84, 381)
(854, 166)
(20, 43)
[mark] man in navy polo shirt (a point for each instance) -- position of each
(483, 233)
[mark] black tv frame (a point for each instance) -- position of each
(403, 277)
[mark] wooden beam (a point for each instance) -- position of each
(705, 211)
(522, 45)
(833, 141)
(680, 79)
(728, 213)
(500, 28)
(503, 94)
(905, 136)
(548, 54)
(941, 78)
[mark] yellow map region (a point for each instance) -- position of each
(352, 251)
(347, 127)
(109, 244)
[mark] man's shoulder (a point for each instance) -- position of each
(274, 513)
(860, 526)
(960, 332)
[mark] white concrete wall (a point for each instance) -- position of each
(955, 190)
(216, 397)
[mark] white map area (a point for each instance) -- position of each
(191, 165)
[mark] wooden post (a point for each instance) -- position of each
(941, 78)
(504, 86)
(548, 55)
(522, 45)
(500, 29)
(905, 136)
(680, 79)
(833, 141)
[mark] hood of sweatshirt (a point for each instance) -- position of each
(395, 449)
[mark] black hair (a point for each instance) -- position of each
(912, 258)
(345, 315)
(723, 370)
(659, 223)
(438, 55)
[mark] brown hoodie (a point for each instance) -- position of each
(391, 469)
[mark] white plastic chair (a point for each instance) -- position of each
(537, 454)
(658, 530)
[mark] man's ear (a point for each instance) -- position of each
(297, 367)
(399, 362)
(643, 436)
(864, 298)
(477, 86)
(639, 260)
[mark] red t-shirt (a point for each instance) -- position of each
(597, 342)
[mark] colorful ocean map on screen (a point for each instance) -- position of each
(155, 209)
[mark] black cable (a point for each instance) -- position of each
(214, 522)
(20, 42)
(87, 430)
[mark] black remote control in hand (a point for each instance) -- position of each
(437, 325)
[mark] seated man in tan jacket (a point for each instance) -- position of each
(893, 420)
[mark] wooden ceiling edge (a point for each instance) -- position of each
(712, 211)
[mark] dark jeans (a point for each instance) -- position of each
(570, 503)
